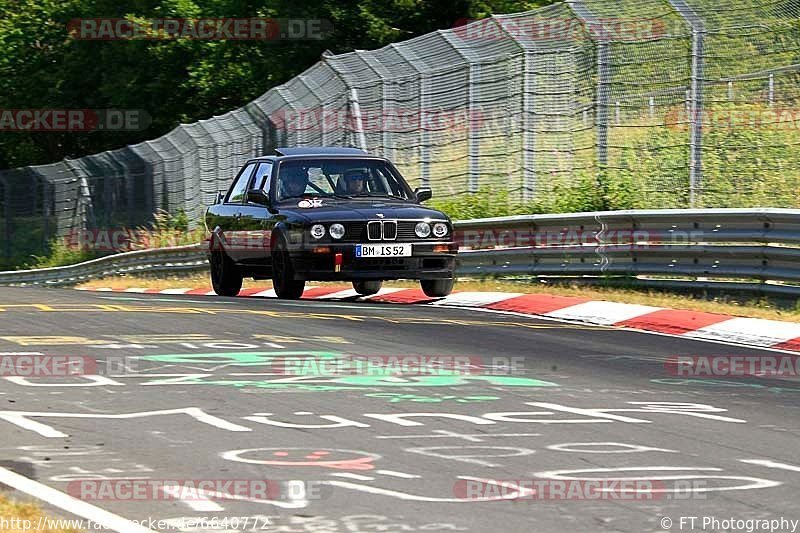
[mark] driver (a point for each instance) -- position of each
(294, 181)
(355, 180)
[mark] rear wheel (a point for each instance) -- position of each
(226, 279)
(366, 288)
(437, 288)
(286, 287)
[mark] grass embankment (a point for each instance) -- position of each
(14, 514)
(755, 308)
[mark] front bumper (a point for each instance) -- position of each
(428, 261)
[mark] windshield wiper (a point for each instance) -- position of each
(379, 196)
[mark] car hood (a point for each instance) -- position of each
(349, 211)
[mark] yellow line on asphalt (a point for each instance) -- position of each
(121, 308)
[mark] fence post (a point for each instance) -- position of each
(603, 99)
(695, 100)
(603, 66)
(6, 210)
(359, 124)
(84, 209)
(424, 134)
(386, 134)
(473, 123)
(771, 90)
(696, 139)
(528, 130)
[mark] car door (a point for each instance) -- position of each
(256, 220)
(230, 212)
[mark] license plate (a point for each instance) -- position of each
(383, 250)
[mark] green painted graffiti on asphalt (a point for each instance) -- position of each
(396, 397)
(309, 377)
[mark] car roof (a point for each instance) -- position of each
(312, 151)
(318, 150)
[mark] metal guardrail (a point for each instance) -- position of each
(751, 249)
(156, 260)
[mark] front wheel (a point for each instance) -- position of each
(367, 288)
(226, 279)
(286, 287)
(437, 288)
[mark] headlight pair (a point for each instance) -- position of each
(423, 230)
(336, 231)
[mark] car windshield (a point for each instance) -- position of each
(344, 178)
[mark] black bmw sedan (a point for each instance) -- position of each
(327, 214)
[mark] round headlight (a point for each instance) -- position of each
(336, 231)
(422, 229)
(439, 229)
(318, 231)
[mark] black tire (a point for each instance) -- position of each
(437, 288)
(226, 279)
(367, 288)
(286, 287)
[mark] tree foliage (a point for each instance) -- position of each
(42, 67)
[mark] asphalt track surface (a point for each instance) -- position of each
(580, 403)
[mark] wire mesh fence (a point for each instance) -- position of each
(644, 103)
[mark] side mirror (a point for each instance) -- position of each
(258, 196)
(423, 193)
(220, 197)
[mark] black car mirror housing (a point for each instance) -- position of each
(423, 193)
(258, 196)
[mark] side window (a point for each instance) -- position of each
(262, 176)
(239, 188)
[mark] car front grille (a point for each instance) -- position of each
(405, 231)
(374, 231)
(354, 232)
(400, 231)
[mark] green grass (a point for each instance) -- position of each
(165, 230)
(745, 164)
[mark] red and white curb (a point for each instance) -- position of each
(698, 325)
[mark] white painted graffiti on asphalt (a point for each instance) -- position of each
(82, 462)
(24, 419)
